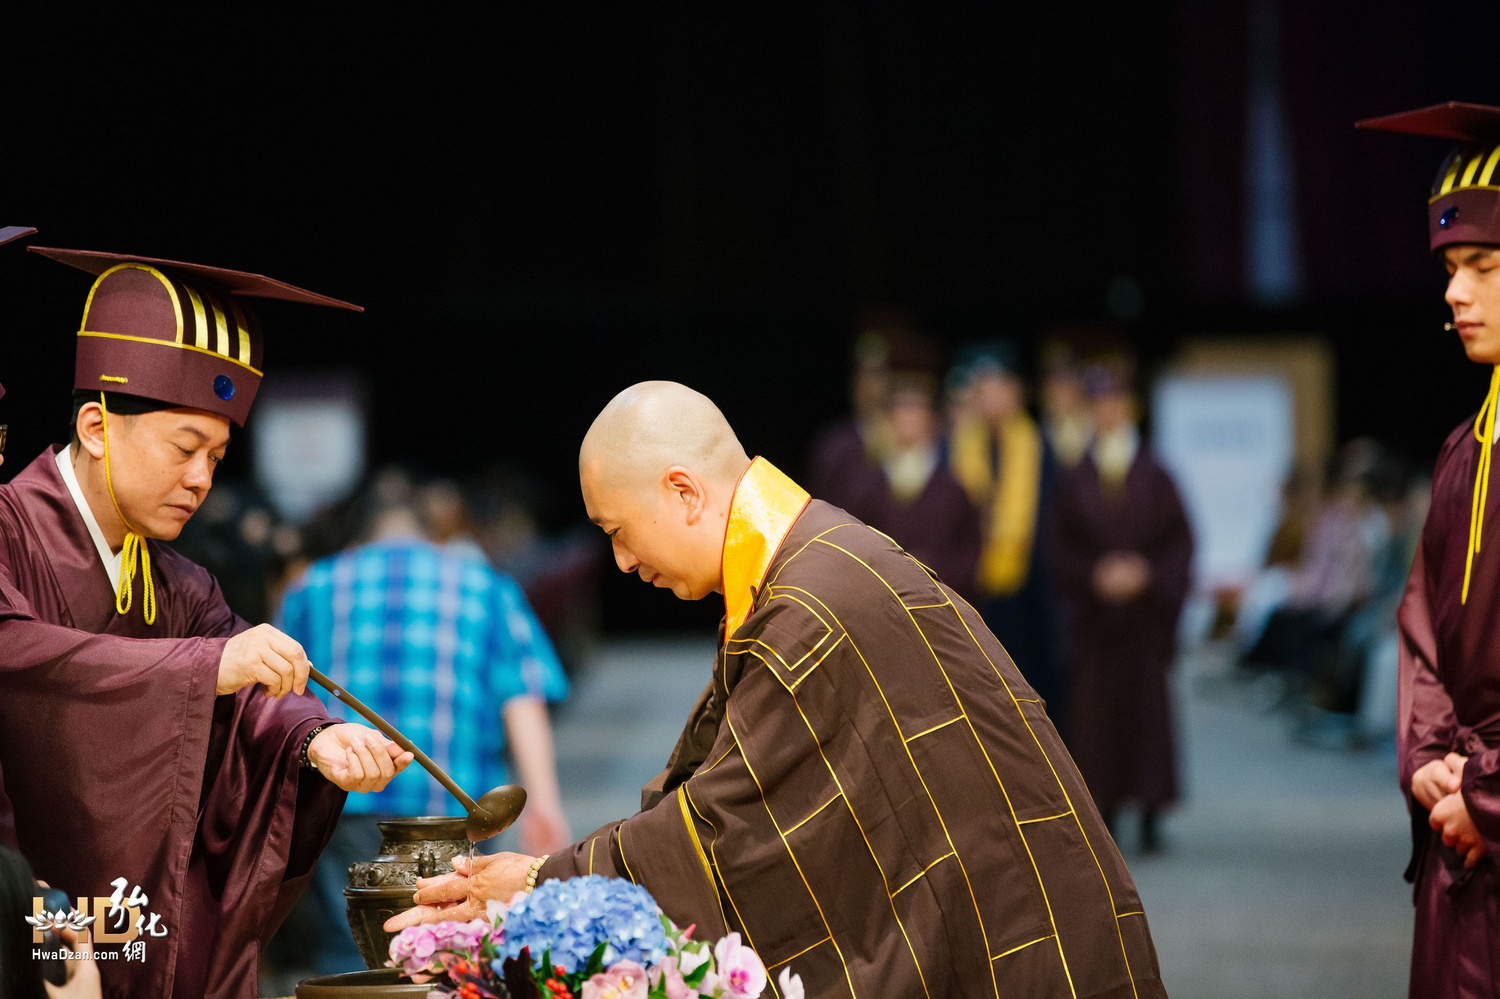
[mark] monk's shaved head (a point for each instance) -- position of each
(658, 469)
(652, 426)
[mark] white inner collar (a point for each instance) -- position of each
(110, 559)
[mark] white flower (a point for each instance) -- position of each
(791, 985)
(692, 958)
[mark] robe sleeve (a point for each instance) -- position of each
(660, 846)
(1425, 719)
(660, 849)
(264, 819)
(44, 656)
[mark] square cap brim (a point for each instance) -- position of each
(235, 282)
(13, 232)
(1453, 120)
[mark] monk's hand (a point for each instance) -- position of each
(1435, 780)
(1451, 818)
(267, 656)
(463, 894)
(356, 758)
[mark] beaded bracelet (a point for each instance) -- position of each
(533, 871)
(307, 744)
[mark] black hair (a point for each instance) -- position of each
(20, 975)
(119, 404)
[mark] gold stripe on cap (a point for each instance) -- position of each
(171, 291)
(1489, 167)
(175, 346)
(220, 327)
(242, 327)
(1471, 170)
(200, 321)
(1447, 184)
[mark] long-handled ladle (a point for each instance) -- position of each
(495, 810)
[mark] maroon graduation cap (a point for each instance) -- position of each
(1464, 206)
(175, 332)
(10, 232)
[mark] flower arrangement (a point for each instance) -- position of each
(582, 938)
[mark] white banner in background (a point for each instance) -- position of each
(1228, 441)
(309, 444)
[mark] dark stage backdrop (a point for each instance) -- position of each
(538, 209)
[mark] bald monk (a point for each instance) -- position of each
(867, 789)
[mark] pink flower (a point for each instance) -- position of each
(669, 973)
(623, 980)
(739, 970)
(418, 949)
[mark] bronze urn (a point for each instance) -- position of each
(378, 889)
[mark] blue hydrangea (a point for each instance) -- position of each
(572, 917)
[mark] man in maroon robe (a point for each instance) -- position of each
(1123, 554)
(867, 789)
(7, 825)
(1448, 725)
(141, 760)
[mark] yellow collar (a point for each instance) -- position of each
(765, 506)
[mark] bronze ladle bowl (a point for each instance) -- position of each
(495, 810)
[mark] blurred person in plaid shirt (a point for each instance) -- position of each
(442, 645)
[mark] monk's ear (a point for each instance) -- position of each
(88, 430)
(686, 491)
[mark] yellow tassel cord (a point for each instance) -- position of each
(134, 554)
(1484, 433)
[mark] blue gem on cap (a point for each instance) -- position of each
(224, 387)
(1446, 219)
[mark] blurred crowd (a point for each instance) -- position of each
(1043, 505)
(1315, 631)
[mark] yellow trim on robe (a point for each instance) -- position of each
(765, 506)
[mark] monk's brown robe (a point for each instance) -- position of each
(1450, 702)
(121, 761)
(870, 793)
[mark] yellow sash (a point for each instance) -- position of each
(1007, 495)
(1484, 433)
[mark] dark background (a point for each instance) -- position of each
(540, 208)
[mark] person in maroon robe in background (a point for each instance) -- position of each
(845, 455)
(8, 234)
(1123, 556)
(134, 741)
(1448, 704)
(917, 500)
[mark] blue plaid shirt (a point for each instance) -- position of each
(436, 641)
